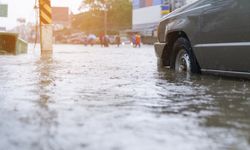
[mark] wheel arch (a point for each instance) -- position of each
(171, 38)
(168, 52)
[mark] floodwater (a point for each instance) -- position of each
(116, 99)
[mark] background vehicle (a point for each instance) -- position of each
(207, 36)
(125, 41)
(76, 38)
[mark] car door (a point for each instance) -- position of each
(222, 35)
(242, 51)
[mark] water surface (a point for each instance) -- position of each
(117, 99)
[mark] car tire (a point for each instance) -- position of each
(183, 59)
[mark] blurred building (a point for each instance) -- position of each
(147, 14)
(3, 16)
(2, 29)
(61, 18)
(26, 31)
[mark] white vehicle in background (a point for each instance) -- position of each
(76, 38)
(125, 41)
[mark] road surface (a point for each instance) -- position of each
(116, 99)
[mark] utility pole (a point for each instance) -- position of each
(105, 21)
(172, 5)
(46, 30)
(105, 17)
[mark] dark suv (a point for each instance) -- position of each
(207, 36)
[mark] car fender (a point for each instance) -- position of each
(179, 27)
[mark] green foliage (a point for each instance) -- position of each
(119, 14)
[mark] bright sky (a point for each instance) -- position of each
(24, 9)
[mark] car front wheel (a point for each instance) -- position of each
(183, 59)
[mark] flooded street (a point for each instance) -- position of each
(116, 99)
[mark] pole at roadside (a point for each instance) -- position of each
(46, 30)
(105, 16)
(105, 20)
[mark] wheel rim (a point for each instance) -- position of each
(182, 62)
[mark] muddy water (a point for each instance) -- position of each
(116, 99)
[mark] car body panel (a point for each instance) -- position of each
(218, 30)
(223, 38)
(159, 48)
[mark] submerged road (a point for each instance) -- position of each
(116, 99)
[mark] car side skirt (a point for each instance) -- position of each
(226, 73)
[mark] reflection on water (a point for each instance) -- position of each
(45, 115)
(117, 98)
(45, 70)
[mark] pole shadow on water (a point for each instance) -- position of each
(44, 115)
(45, 77)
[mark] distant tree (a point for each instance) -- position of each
(120, 14)
(92, 17)
(89, 5)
